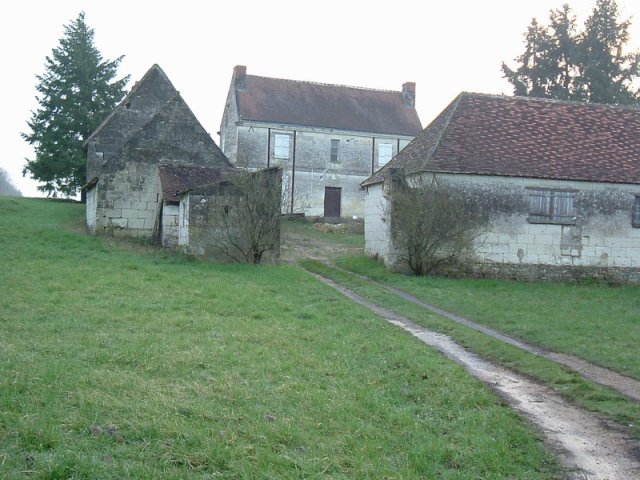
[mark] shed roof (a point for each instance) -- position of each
(526, 137)
(294, 102)
(175, 179)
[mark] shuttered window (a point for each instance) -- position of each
(281, 145)
(635, 216)
(552, 206)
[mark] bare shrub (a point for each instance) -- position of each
(432, 225)
(249, 225)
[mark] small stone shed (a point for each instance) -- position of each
(152, 126)
(559, 180)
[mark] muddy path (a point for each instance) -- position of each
(627, 386)
(295, 246)
(588, 446)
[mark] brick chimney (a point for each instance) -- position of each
(240, 76)
(409, 94)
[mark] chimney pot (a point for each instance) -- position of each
(240, 76)
(409, 94)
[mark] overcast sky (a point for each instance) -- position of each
(445, 47)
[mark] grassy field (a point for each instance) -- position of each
(119, 361)
(596, 322)
(471, 293)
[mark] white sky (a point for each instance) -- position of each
(444, 46)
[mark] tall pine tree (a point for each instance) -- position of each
(571, 65)
(76, 92)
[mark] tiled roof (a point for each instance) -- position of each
(175, 179)
(294, 102)
(527, 137)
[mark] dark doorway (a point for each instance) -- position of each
(332, 196)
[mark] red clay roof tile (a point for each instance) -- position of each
(527, 137)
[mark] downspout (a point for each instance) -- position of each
(293, 170)
(269, 147)
(373, 155)
(397, 149)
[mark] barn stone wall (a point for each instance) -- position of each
(601, 239)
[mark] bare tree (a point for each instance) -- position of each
(432, 225)
(6, 186)
(247, 226)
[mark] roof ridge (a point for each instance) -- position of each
(324, 84)
(556, 101)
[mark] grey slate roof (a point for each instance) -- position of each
(526, 137)
(293, 102)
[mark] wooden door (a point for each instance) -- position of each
(332, 198)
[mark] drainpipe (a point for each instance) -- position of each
(293, 170)
(397, 149)
(373, 155)
(269, 147)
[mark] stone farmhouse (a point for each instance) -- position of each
(143, 161)
(326, 138)
(560, 180)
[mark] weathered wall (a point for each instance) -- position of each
(91, 208)
(146, 98)
(249, 146)
(170, 224)
(376, 224)
(128, 201)
(202, 230)
(602, 236)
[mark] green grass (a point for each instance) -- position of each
(596, 322)
(134, 363)
(574, 387)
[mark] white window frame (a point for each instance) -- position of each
(385, 153)
(282, 146)
(335, 151)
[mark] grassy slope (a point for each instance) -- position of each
(133, 363)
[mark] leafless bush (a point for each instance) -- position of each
(432, 225)
(250, 222)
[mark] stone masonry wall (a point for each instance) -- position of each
(314, 169)
(602, 239)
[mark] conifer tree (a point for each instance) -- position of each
(607, 72)
(76, 92)
(560, 62)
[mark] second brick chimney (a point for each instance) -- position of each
(409, 94)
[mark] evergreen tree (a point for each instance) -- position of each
(606, 72)
(76, 92)
(532, 78)
(559, 62)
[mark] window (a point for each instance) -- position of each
(635, 214)
(385, 153)
(335, 146)
(281, 145)
(552, 206)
